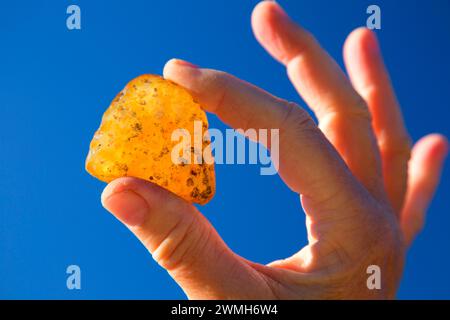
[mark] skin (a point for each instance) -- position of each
(363, 188)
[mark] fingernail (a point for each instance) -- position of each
(373, 45)
(280, 11)
(184, 63)
(127, 206)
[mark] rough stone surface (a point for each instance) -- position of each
(134, 139)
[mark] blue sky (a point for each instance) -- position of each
(55, 84)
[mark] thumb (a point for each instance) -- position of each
(179, 238)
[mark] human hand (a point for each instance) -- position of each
(364, 198)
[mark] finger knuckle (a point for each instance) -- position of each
(395, 147)
(359, 109)
(177, 246)
(220, 80)
(355, 110)
(297, 118)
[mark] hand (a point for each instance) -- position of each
(364, 198)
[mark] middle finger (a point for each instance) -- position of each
(342, 113)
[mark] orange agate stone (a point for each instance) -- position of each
(135, 139)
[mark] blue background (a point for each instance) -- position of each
(55, 84)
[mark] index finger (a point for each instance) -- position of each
(308, 163)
